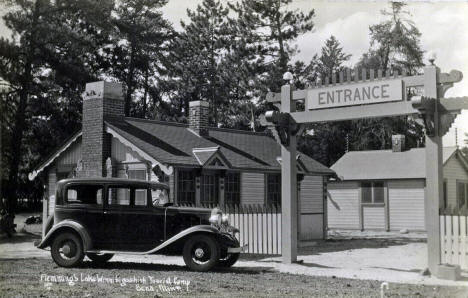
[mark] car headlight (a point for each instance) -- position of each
(225, 219)
(215, 219)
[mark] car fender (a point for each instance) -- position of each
(67, 224)
(184, 233)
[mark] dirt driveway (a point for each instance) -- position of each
(328, 269)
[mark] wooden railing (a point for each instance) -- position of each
(259, 226)
(454, 240)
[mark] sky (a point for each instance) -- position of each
(443, 25)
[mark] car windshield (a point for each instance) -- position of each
(159, 196)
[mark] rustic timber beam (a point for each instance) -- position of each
(390, 109)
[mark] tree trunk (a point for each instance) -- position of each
(129, 82)
(20, 118)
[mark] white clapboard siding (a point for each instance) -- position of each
(311, 227)
(252, 188)
(454, 240)
(71, 156)
(311, 194)
(374, 217)
(311, 208)
(343, 205)
(260, 229)
(52, 180)
(406, 205)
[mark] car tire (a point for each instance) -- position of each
(67, 250)
(230, 260)
(201, 253)
(99, 258)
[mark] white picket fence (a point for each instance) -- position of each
(259, 228)
(454, 240)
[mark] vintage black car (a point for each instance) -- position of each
(101, 217)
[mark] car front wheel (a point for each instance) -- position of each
(201, 253)
(67, 250)
(99, 258)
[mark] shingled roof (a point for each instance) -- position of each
(385, 164)
(173, 144)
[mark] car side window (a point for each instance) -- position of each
(84, 194)
(159, 196)
(141, 195)
(118, 195)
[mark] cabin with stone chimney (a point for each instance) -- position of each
(203, 166)
(384, 189)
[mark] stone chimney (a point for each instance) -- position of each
(198, 116)
(100, 100)
(398, 143)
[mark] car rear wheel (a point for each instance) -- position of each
(99, 258)
(229, 260)
(201, 253)
(67, 250)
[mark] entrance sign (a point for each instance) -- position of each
(365, 96)
(355, 94)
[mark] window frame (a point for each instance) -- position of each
(373, 193)
(211, 188)
(268, 193)
(65, 201)
(186, 193)
(465, 190)
(232, 188)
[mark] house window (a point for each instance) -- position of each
(273, 189)
(140, 194)
(462, 193)
(186, 187)
(209, 189)
(137, 174)
(232, 188)
(118, 195)
(372, 192)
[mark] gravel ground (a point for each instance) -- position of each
(42, 278)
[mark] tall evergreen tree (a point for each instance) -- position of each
(138, 44)
(46, 62)
(200, 69)
(395, 46)
(272, 28)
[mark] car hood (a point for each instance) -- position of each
(205, 212)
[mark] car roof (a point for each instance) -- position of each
(124, 181)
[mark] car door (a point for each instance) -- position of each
(84, 203)
(133, 225)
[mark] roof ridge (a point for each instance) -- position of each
(232, 130)
(157, 121)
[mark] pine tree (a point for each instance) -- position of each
(200, 68)
(138, 45)
(272, 28)
(395, 46)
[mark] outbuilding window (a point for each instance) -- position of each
(372, 192)
(462, 193)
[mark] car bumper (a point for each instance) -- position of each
(240, 249)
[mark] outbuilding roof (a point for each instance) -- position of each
(385, 164)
